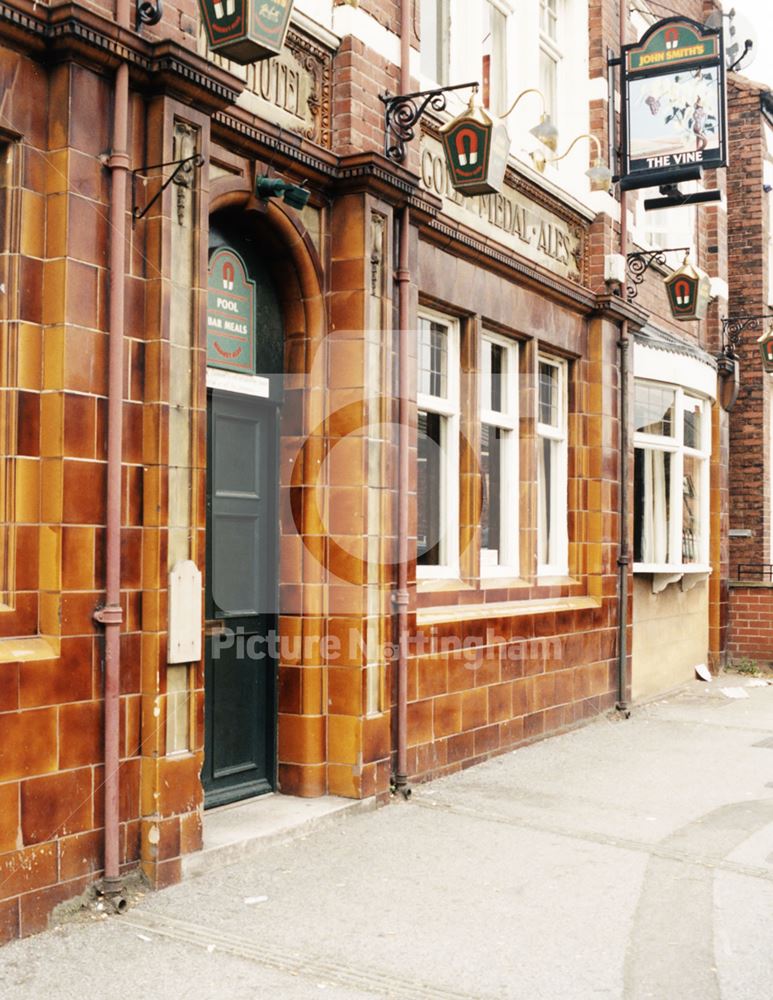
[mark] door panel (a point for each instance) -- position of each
(241, 592)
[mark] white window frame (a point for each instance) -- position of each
(559, 492)
(676, 447)
(444, 10)
(553, 49)
(449, 409)
(505, 561)
(498, 88)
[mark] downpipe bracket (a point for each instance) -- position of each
(112, 895)
(109, 614)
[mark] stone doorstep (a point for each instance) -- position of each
(243, 829)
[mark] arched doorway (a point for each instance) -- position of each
(245, 347)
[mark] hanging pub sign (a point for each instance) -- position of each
(674, 104)
(476, 147)
(230, 314)
(246, 30)
(689, 291)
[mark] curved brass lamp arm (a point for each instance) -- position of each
(531, 90)
(585, 135)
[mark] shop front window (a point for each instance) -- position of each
(437, 474)
(499, 456)
(671, 466)
(552, 484)
(435, 31)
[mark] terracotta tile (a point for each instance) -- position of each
(9, 687)
(28, 424)
(307, 781)
(10, 838)
(81, 854)
(80, 426)
(84, 492)
(447, 715)
(78, 558)
(486, 740)
(312, 679)
(191, 833)
(67, 678)
(376, 739)
(35, 907)
(179, 785)
(344, 690)
(55, 806)
(343, 780)
(301, 739)
(432, 676)
(534, 725)
(27, 556)
(500, 702)
(420, 722)
(9, 920)
(80, 734)
(460, 747)
(27, 743)
(27, 869)
(474, 709)
(76, 615)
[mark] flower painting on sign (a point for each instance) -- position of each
(674, 119)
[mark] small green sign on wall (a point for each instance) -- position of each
(246, 30)
(230, 314)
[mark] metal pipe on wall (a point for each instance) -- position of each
(623, 555)
(111, 615)
(403, 278)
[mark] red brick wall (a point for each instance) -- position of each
(751, 622)
(747, 245)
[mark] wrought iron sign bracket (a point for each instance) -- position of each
(638, 263)
(180, 166)
(734, 326)
(402, 112)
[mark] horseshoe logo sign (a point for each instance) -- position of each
(672, 39)
(467, 147)
(683, 294)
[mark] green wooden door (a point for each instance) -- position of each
(240, 720)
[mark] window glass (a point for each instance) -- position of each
(492, 483)
(494, 48)
(652, 505)
(429, 489)
(654, 410)
(548, 395)
(552, 482)
(691, 509)
(692, 423)
(548, 18)
(433, 358)
(435, 24)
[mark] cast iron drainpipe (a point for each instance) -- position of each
(401, 597)
(623, 556)
(111, 615)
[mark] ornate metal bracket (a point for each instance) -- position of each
(734, 326)
(181, 166)
(637, 264)
(403, 112)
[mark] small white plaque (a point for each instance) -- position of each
(185, 621)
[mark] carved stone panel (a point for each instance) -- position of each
(293, 90)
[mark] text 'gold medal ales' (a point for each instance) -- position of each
(476, 146)
(246, 31)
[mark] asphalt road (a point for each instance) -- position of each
(623, 860)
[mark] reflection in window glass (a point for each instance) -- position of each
(491, 476)
(652, 505)
(433, 358)
(654, 410)
(691, 509)
(692, 423)
(548, 394)
(548, 18)
(429, 489)
(494, 67)
(434, 39)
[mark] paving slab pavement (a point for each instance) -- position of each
(627, 860)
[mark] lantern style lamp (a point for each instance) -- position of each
(476, 145)
(599, 175)
(766, 348)
(689, 291)
(246, 31)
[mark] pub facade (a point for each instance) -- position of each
(311, 477)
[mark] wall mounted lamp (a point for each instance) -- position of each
(599, 175)
(274, 187)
